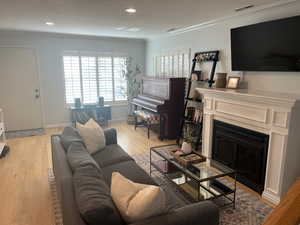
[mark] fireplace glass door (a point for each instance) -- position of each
(243, 150)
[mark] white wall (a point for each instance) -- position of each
(49, 49)
(217, 37)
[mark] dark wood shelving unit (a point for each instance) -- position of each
(199, 57)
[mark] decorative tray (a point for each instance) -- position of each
(187, 159)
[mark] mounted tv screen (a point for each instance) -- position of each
(268, 46)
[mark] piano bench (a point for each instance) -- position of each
(147, 119)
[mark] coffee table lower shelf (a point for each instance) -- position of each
(209, 189)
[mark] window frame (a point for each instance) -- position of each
(92, 54)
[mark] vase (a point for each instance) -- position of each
(221, 80)
(186, 147)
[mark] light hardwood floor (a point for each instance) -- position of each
(25, 197)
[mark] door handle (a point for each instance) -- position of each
(37, 96)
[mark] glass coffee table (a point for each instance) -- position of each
(202, 181)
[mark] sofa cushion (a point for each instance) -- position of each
(110, 136)
(111, 154)
(70, 135)
(78, 156)
(128, 169)
(93, 197)
(92, 134)
(137, 201)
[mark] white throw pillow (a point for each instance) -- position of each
(92, 134)
(136, 201)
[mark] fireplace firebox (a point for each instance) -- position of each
(243, 150)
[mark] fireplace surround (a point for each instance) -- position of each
(243, 150)
(276, 115)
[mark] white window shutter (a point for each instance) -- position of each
(72, 78)
(186, 65)
(105, 78)
(89, 79)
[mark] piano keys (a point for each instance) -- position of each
(164, 96)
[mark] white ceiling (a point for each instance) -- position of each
(102, 17)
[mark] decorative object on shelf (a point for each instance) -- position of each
(233, 82)
(77, 102)
(196, 76)
(190, 113)
(131, 74)
(221, 80)
(195, 95)
(207, 56)
(101, 101)
(198, 116)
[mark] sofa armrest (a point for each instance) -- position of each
(110, 136)
(201, 213)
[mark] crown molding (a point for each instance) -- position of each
(236, 14)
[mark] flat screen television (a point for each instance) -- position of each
(267, 46)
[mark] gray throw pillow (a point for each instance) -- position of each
(78, 156)
(70, 135)
(93, 197)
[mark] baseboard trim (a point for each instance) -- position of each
(57, 125)
(65, 124)
(117, 120)
(271, 197)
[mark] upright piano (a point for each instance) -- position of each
(164, 96)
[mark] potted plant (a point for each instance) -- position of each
(132, 74)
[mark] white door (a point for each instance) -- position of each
(19, 88)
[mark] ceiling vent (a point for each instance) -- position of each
(244, 8)
(172, 30)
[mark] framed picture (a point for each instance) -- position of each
(196, 75)
(233, 82)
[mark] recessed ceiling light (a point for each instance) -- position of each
(130, 10)
(50, 23)
(134, 29)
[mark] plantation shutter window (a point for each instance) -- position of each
(105, 78)
(89, 79)
(91, 76)
(186, 64)
(172, 64)
(72, 78)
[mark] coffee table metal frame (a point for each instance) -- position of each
(191, 175)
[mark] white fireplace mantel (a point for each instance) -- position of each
(277, 115)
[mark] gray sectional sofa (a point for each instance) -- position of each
(114, 158)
